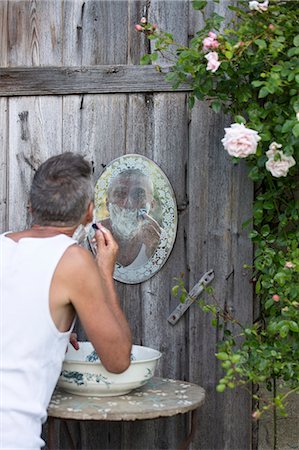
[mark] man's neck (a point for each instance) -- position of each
(47, 230)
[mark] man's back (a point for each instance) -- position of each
(31, 362)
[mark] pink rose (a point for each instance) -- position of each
(276, 297)
(256, 414)
(212, 35)
(138, 27)
(278, 163)
(143, 20)
(273, 147)
(240, 141)
(264, 6)
(289, 265)
(256, 6)
(213, 62)
(210, 42)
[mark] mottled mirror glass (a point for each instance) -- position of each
(135, 201)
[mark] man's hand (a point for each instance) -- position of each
(107, 250)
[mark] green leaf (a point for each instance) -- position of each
(216, 106)
(222, 355)
(293, 51)
(257, 83)
(261, 43)
(265, 230)
(229, 54)
(240, 119)
(146, 59)
(268, 205)
(191, 101)
(263, 92)
(287, 126)
(175, 290)
(284, 330)
(214, 322)
(199, 4)
(236, 358)
(295, 130)
(296, 41)
(220, 388)
(269, 303)
(294, 326)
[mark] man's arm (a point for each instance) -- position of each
(93, 295)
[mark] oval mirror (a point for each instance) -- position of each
(135, 201)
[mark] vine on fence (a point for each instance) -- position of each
(250, 70)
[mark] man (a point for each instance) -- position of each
(129, 202)
(46, 279)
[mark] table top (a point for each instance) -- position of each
(160, 397)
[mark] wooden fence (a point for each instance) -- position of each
(70, 80)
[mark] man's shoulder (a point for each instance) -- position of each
(77, 258)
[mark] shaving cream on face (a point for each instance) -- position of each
(125, 222)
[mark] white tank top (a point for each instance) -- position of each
(31, 348)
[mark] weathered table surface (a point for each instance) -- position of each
(160, 397)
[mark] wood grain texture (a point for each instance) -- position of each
(172, 17)
(3, 163)
(83, 80)
(34, 135)
(218, 242)
(34, 34)
(95, 32)
(84, 91)
(3, 33)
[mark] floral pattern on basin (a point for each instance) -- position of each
(83, 374)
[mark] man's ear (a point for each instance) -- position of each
(89, 212)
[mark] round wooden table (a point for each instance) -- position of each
(160, 397)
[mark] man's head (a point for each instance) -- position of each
(131, 189)
(61, 191)
(129, 197)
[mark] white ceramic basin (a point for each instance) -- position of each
(83, 374)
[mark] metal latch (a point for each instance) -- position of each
(191, 297)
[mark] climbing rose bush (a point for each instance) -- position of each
(249, 69)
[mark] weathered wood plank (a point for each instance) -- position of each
(34, 135)
(4, 151)
(216, 241)
(95, 126)
(138, 45)
(83, 80)
(95, 32)
(172, 19)
(34, 34)
(166, 114)
(3, 33)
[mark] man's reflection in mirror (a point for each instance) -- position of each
(130, 201)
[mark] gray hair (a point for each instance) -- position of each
(61, 190)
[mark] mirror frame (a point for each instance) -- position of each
(163, 191)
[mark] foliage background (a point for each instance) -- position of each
(254, 80)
